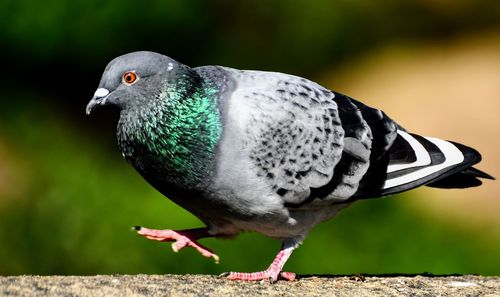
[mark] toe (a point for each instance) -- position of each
(178, 245)
(289, 276)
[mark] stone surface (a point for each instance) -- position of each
(208, 285)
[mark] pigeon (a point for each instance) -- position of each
(263, 152)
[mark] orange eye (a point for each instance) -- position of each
(129, 77)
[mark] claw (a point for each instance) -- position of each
(224, 274)
(216, 258)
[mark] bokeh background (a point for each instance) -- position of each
(68, 199)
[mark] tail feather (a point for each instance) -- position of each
(415, 161)
(477, 173)
(467, 178)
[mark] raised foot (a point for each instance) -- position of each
(181, 239)
(270, 275)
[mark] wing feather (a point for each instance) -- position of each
(293, 131)
(307, 143)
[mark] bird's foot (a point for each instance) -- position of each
(273, 273)
(269, 274)
(181, 239)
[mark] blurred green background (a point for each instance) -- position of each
(68, 199)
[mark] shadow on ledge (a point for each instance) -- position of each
(386, 275)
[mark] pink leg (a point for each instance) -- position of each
(181, 238)
(272, 273)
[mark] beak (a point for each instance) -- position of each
(99, 99)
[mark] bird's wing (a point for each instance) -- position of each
(400, 161)
(307, 143)
(296, 132)
(411, 160)
(360, 170)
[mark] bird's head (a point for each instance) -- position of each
(132, 79)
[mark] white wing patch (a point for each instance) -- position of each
(452, 156)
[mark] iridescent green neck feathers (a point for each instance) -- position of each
(173, 136)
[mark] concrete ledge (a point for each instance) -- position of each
(208, 285)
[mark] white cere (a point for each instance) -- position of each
(101, 92)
